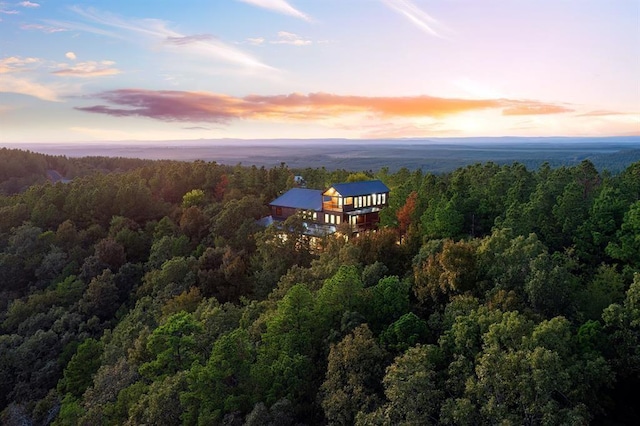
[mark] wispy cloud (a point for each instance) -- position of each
(533, 108)
(184, 40)
(28, 4)
(156, 33)
(401, 130)
(280, 6)
(44, 28)
(416, 16)
(197, 128)
(282, 37)
(88, 69)
(605, 113)
(285, 37)
(212, 107)
(25, 86)
(256, 41)
(16, 79)
(17, 64)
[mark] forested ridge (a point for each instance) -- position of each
(144, 292)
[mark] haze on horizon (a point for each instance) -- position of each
(252, 69)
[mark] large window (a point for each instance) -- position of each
(309, 214)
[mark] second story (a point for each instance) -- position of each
(352, 196)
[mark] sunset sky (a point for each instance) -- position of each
(166, 69)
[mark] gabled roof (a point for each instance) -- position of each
(300, 198)
(366, 187)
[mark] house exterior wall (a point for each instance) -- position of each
(282, 213)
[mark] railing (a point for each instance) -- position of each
(331, 206)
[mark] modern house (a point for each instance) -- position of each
(355, 203)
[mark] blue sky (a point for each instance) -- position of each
(154, 70)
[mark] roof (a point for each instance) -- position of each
(366, 187)
(300, 198)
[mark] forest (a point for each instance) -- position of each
(144, 292)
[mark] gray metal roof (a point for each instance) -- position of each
(366, 187)
(300, 198)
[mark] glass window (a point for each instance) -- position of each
(326, 218)
(338, 220)
(348, 201)
(368, 200)
(384, 198)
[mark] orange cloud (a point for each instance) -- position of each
(533, 108)
(601, 113)
(212, 107)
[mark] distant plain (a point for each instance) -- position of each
(435, 155)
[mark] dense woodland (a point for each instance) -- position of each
(143, 292)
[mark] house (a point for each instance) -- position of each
(355, 203)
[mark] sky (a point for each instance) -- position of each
(206, 69)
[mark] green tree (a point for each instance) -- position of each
(353, 381)
(404, 333)
(443, 218)
(101, 297)
(160, 404)
(451, 271)
(626, 245)
(193, 198)
(550, 286)
(78, 374)
(279, 248)
(222, 385)
(172, 344)
(412, 387)
(340, 293)
(622, 328)
(386, 302)
(284, 367)
(604, 288)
